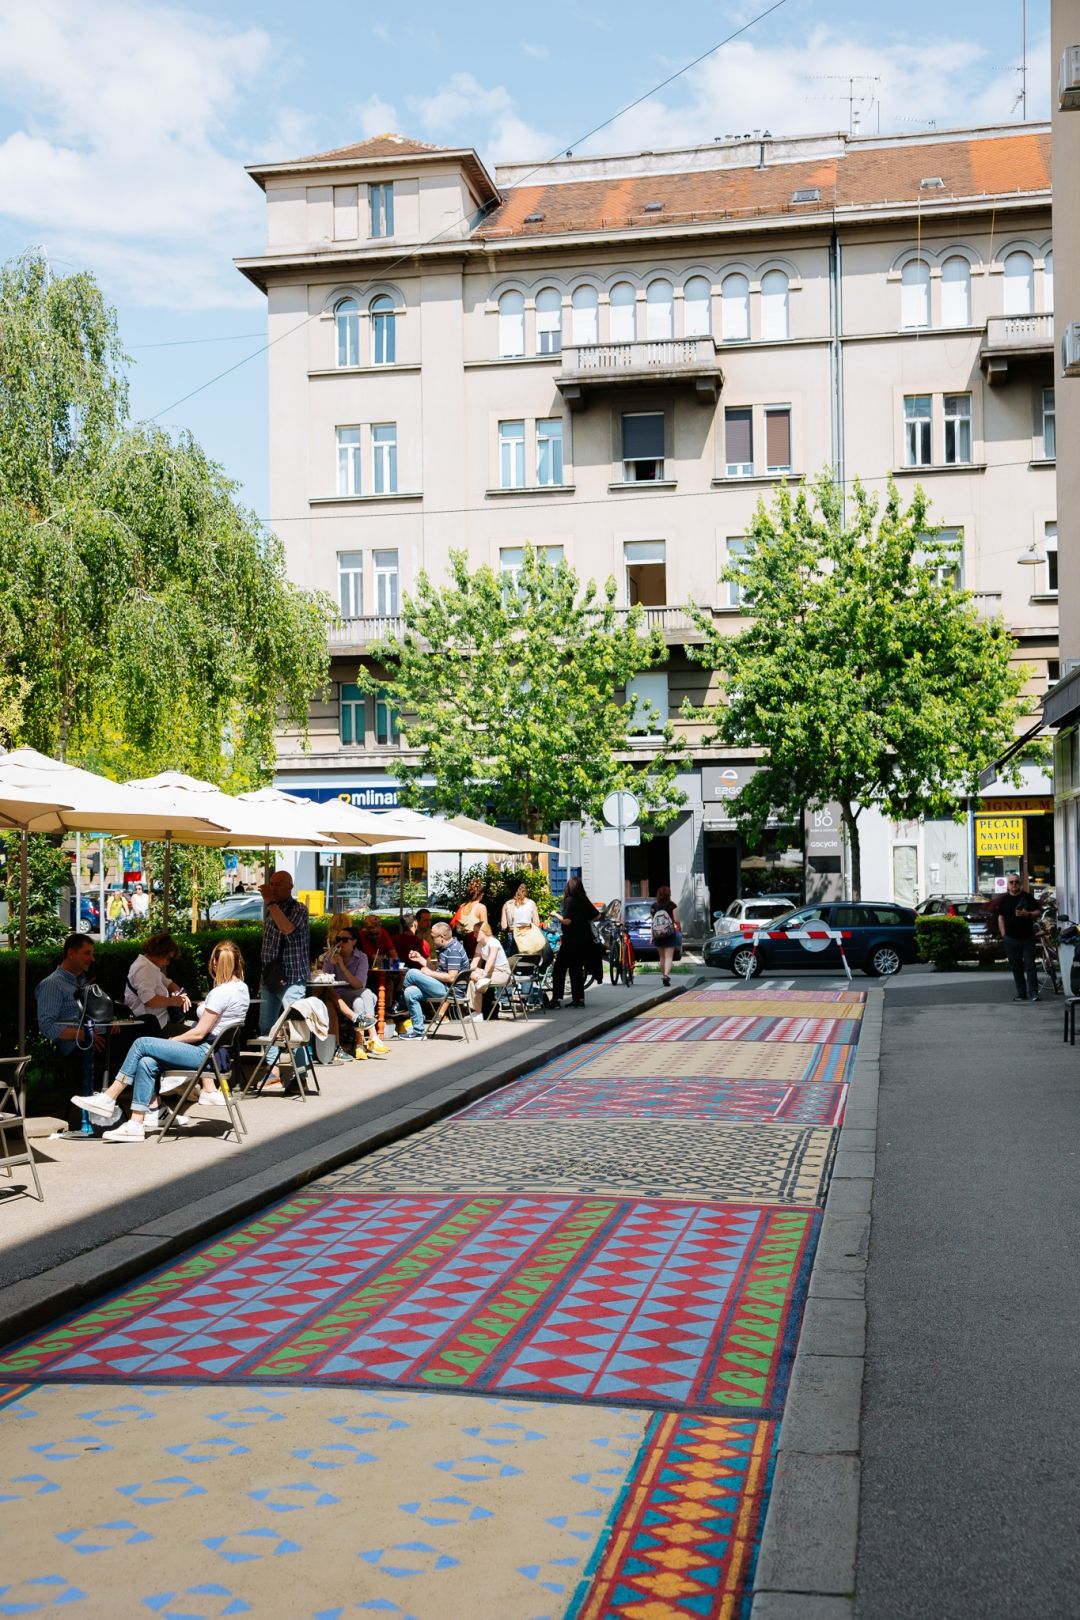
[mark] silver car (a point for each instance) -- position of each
(747, 916)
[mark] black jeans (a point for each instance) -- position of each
(572, 959)
(1021, 955)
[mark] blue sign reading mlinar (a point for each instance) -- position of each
(372, 797)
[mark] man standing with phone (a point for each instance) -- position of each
(286, 950)
(1016, 924)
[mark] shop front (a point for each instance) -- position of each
(1014, 834)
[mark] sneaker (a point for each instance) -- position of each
(411, 1035)
(1019, 998)
(376, 1047)
(483, 983)
(212, 1099)
(338, 1057)
(359, 1054)
(1036, 997)
(130, 1131)
(665, 981)
(151, 1122)
(100, 1104)
(173, 1082)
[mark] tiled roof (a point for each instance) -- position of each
(864, 175)
(379, 146)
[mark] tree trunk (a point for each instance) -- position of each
(851, 823)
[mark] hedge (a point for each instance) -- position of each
(944, 941)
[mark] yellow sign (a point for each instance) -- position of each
(999, 835)
(1016, 807)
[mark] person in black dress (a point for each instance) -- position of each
(578, 912)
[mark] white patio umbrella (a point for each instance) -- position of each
(515, 843)
(39, 794)
(335, 821)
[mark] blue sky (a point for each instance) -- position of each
(124, 128)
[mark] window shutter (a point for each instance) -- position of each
(777, 439)
(739, 439)
(643, 438)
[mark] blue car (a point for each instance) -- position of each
(879, 937)
(637, 915)
(89, 916)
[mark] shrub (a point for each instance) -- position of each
(944, 941)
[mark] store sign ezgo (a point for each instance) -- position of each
(999, 835)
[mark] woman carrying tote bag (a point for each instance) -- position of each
(521, 923)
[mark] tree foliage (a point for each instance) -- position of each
(143, 607)
(48, 868)
(864, 672)
(511, 693)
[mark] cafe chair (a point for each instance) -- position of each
(288, 1049)
(221, 1060)
(13, 1120)
(453, 1008)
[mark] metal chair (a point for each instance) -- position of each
(452, 1007)
(13, 1118)
(230, 1036)
(513, 997)
(287, 1048)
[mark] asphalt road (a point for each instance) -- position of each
(971, 1406)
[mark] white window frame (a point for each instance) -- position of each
(512, 325)
(660, 311)
(354, 707)
(697, 311)
(385, 569)
(915, 296)
(584, 316)
(350, 576)
(951, 571)
(386, 720)
(918, 430)
(383, 330)
(956, 290)
(739, 469)
(347, 332)
(1050, 546)
(735, 308)
(512, 561)
(1018, 285)
(381, 208)
(644, 553)
(384, 459)
(548, 321)
(958, 429)
(736, 546)
(778, 410)
(512, 454)
(1048, 282)
(775, 306)
(651, 688)
(348, 461)
(631, 463)
(549, 437)
(1049, 440)
(622, 313)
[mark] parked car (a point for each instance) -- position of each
(746, 916)
(237, 908)
(879, 938)
(979, 912)
(637, 914)
(89, 915)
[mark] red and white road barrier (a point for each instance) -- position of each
(811, 939)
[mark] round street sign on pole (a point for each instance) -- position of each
(621, 809)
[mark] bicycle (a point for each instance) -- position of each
(1046, 947)
(621, 958)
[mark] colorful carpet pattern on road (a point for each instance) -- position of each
(573, 1307)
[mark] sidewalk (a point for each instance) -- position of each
(971, 1402)
(112, 1210)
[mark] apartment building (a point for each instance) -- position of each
(614, 358)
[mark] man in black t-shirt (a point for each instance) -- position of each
(1016, 923)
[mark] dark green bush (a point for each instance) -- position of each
(944, 941)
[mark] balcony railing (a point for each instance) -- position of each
(987, 603)
(694, 361)
(1015, 337)
(357, 633)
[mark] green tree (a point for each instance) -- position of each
(511, 693)
(48, 868)
(146, 611)
(865, 673)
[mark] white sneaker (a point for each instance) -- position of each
(100, 1104)
(173, 1082)
(130, 1131)
(151, 1123)
(212, 1099)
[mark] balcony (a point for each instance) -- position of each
(1015, 338)
(357, 635)
(675, 362)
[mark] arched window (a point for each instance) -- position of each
(584, 321)
(1048, 281)
(956, 292)
(383, 338)
(512, 325)
(915, 295)
(1019, 296)
(347, 327)
(697, 307)
(735, 309)
(774, 304)
(548, 321)
(659, 310)
(623, 313)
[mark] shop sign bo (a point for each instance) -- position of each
(999, 835)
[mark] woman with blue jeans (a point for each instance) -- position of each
(226, 1005)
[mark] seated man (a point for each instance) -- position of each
(375, 942)
(60, 1015)
(424, 925)
(423, 982)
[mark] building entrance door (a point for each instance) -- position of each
(722, 852)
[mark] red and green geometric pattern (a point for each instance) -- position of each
(666, 1097)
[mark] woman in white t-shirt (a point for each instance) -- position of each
(490, 969)
(225, 1007)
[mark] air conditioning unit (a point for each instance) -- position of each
(1070, 350)
(1069, 79)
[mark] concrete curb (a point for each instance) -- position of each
(35, 1301)
(806, 1566)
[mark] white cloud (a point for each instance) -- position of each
(375, 117)
(528, 49)
(802, 85)
(123, 156)
(462, 109)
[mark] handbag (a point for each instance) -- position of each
(529, 939)
(97, 1005)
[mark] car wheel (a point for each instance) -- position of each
(883, 962)
(746, 963)
(85, 926)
